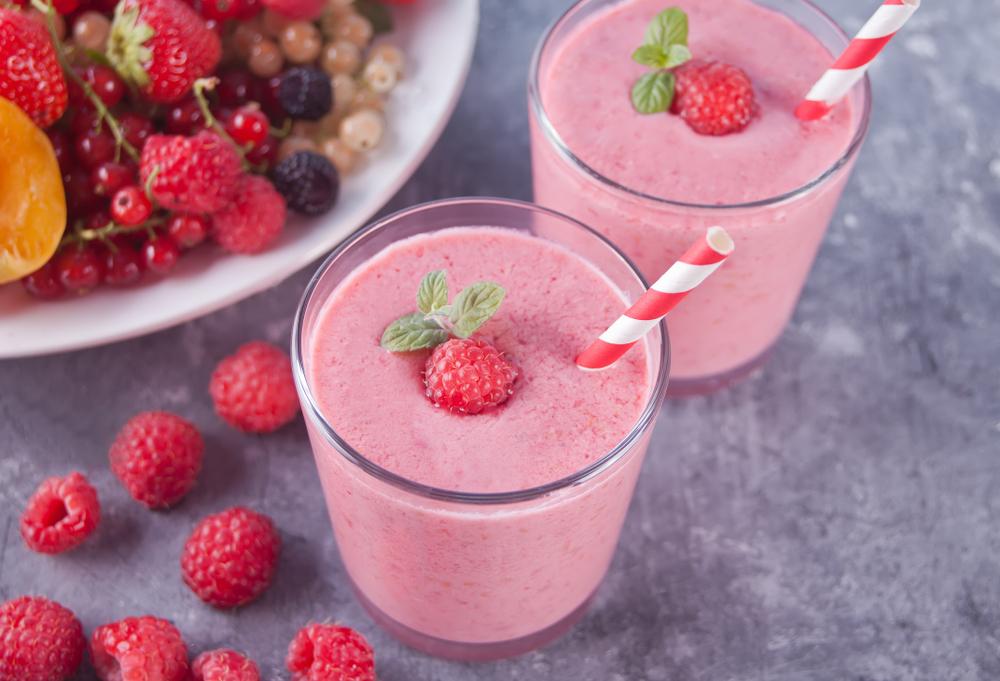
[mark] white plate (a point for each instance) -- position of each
(437, 37)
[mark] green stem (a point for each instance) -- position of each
(103, 113)
(108, 230)
(201, 86)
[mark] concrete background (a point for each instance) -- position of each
(833, 518)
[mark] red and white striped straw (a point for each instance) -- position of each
(704, 257)
(852, 64)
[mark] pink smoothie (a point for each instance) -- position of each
(739, 313)
(476, 573)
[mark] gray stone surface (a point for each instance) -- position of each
(836, 517)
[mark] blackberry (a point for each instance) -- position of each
(308, 181)
(305, 93)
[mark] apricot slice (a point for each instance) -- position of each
(32, 201)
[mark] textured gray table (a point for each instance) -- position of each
(836, 517)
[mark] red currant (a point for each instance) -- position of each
(79, 194)
(65, 6)
(264, 153)
(237, 88)
(184, 118)
(94, 147)
(62, 148)
(249, 9)
(136, 128)
(97, 219)
(220, 10)
(105, 83)
(160, 254)
(187, 230)
(43, 282)
(247, 126)
(110, 176)
(122, 265)
(83, 121)
(79, 267)
(130, 206)
(271, 103)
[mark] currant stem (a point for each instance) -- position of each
(201, 86)
(108, 230)
(103, 113)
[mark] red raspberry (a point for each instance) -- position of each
(224, 665)
(253, 389)
(467, 375)
(139, 649)
(60, 514)
(296, 9)
(40, 640)
(196, 174)
(157, 456)
(327, 652)
(714, 98)
(230, 557)
(253, 220)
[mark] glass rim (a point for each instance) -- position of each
(552, 136)
(598, 466)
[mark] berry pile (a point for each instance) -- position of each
(229, 559)
(178, 121)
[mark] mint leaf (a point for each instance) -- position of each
(653, 92)
(677, 55)
(433, 292)
(651, 55)
(413, 332)
(669, 27)
(474, 305)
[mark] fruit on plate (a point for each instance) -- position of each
(32, 203)
(31, 76)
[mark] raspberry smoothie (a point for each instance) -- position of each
(495, 565)
(651, 183)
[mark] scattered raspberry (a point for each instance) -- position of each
(230, 557)
(308, 181)
(139, 649)
(253, 220)
(296, 9)
(60, 514)
(305, 92)
(468, 375)
(162, 46)
(157, 456)
(31, 76)
(253, 389)
(224, 665)
(40, 640)
(714, 98)
(196, 174)
(327, 652)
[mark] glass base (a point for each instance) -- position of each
(690, 387)
(472, 652)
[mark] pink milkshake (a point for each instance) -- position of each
(652, 184)
(476, 536)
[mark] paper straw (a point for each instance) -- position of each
(704, 257)
(855, 60)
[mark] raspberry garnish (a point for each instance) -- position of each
(60, 515)
(40, 640)
(327, 652)
(253, 220)
(224, 665)
(253, 389)
(714, 98)
(468, 375)
(230, 557)
(139, 649)
(157, 456)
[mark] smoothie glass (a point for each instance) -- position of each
(730, 323)
(474, 575)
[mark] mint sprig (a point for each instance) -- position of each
(436, 320)
(664, 47)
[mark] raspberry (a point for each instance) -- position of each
(139, 649)
(253, 220)
(714, 98)
(40, 640)
(196, 174)
(157, 456)
(308, 181)
(327, 652)
(467, 375)
(224, 665)
(230, 557)
(305, 92)
(253, 389)
(60, 514)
